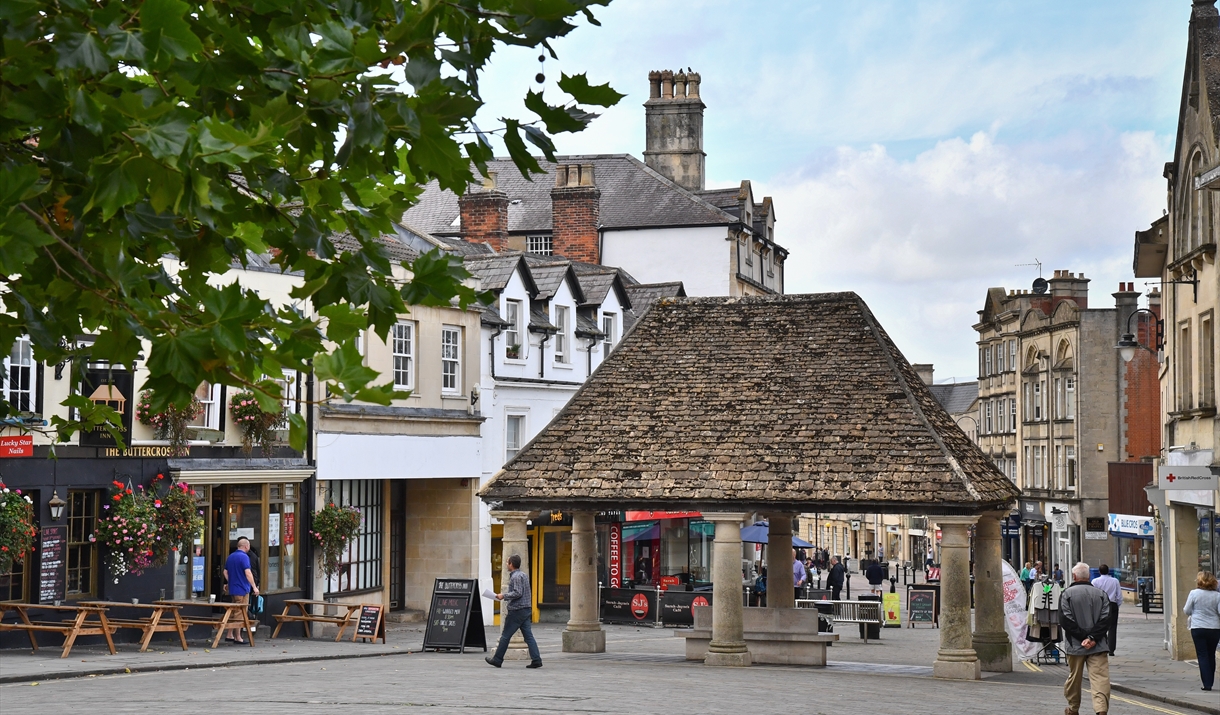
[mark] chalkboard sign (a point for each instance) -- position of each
(921, 607)
(370, 625)
(51, 586)
(455, 619)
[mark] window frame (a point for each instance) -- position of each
(30, 388)
(364, 551)
(514, 331)
(511, 450)
(1069, 397)
(209, 417)
(407, 367)
(82, 545)
(540, 244)
(562, 342)
(610, 328)
(451, 359)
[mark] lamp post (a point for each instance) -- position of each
(57, 505)
(1127, 345)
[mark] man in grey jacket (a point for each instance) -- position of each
(518, 613)
(1084, 615)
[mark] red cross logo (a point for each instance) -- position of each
(1169, 478)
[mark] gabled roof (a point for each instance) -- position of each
(797, 402)
(632, 196)
(495, 271)
(956, 397)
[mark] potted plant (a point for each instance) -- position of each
(257, 426)
(16, 527)
(512, 352)
(333, 528)
(170, 423)
(179, 519)
(128, 530)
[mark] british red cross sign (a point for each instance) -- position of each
(1187, 478)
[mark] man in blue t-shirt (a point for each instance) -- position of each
(239, 582)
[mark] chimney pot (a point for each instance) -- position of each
(654, 85)
(692, 85)
(489, 181)
(680, 85)
(561, 175)
(586, 175)
(667, 84)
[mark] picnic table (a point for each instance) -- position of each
(306, 617)
(149, 624)
(233, 612)
(80, 625)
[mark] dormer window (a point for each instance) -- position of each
(540, 245)
(513, 348)
(561, 337)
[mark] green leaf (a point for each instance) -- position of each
(343, 322)
(85, 111)
(540, 140)
(81, 50)
(436, 154)
(165, 20)
(521, 156)
(15, 181)
(578, 86)
(557, 119)
(298, 431)
(164, 141)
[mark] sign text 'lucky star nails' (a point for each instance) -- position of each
(1190, 478)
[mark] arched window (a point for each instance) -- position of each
(1064, 352)
(1031, 358)
(1197, 223)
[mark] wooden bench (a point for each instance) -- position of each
(778, 636)
(306, 617)
(80, 625)
(234, 616)
(150, 624)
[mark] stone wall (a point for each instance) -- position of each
(441, 526)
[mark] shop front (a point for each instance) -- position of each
(1209, 540)
(1134, 562)
(1034, 531)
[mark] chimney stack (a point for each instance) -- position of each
(924, 370)
(576, 213)
(1069, 286)
(484, 214)
(674, 128)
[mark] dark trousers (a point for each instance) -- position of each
(519, 619)
(1206, 640)
(1112, 635)
(835, 591)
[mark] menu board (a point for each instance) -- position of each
(921, 606)
(455, 619)
(370, 624)
(53, 571)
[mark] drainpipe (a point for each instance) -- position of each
(311, 490)
(492, 351)
(589, 357)
(542, 355)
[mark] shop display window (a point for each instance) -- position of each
(1134, 559)
(557, 566)
(361, 567)
(13, 584)
(1209, 540)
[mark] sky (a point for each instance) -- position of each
(917, 152)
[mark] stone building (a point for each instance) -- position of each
(654, 218)
(1179, 248)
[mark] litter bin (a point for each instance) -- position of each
(874, 629)
(826, 616)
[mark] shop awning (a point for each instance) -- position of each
(238, 471)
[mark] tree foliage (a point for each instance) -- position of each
(205, 131)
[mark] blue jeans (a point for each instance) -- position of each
(520, 618)
(1206, 640)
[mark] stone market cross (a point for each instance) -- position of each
(776, 404)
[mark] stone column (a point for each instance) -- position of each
(584, 633)
(515, 541)
(956, 658)
(728, 645)
(779, 562)
(990, 639)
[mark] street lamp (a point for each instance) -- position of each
(57, 505)
(1127, 345)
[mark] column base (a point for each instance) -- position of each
(994, 652)
(732, 660)
(584, 641)
(957, 665)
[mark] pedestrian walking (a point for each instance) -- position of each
(1026, 579)
(1084, 614)
(519, 611)
(239, 582)
(875, 576)
(1203, 608)
(1114, 591)
(798, 575)
(834, 579)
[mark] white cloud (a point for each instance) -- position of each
(922, 240)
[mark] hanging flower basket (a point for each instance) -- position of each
(333, 527)
(170, 423)
(179, 519)
(128, 530)
(257, 427)
(16, 527)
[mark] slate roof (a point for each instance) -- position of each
(548, 278)
(956, 398)
(632, 196)
(797, 402)
(643, 295)
(493, 271)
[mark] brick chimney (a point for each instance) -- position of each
(484, 214)
(924, 370)
(1069, 286)
(576, 213)
(673, 121)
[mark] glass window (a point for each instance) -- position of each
(557, 566)
(208, 396)
(361, 567)
(13, 584)
(1207, 349)
(610, 328)
(561, 337)
(19, 376)
(987, 352)
(514, 429)
(402, 339)
(987, 422)
(1038, 400)
(1070, 459)
(282, 537)
(451, 358)
(513, 347)
(1069, 398)
(82, 551)
(541, 245)
(1058, 399)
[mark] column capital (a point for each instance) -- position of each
(716, 516)
(1000, 514)
(955, 520)
(508, 515)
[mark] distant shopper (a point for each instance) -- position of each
(875, 576)
(1037, 572)
(519, 611)
(834, 579)
(239, 582)
(1114, 591)
(1027, 577)
(798, 575)
(1084, 614)
(931, 559)
(1057, 577)
(1203, 608)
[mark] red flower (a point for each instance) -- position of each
(157, 502)
(118, 497)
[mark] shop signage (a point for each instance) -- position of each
(1126, 524)
(893, 610)
(370, 625)
(553, 517)
(921, 606)
(455, 620)
(855, 525)
(1188, 478)
(650, 515)
(19, 446)
(53, 572)
(676, 606)
(145, 452)
(627, 605)
(108, 386)
(616, 555)
(1095, 528)
(1031, 510)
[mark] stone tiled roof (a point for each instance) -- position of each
(632, 196)
(493, 271)
(955, 397)
(798, 402)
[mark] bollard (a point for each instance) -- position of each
(848, 577)
(893, 584)
(599, 602)
(659, 594)
(747, 603)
